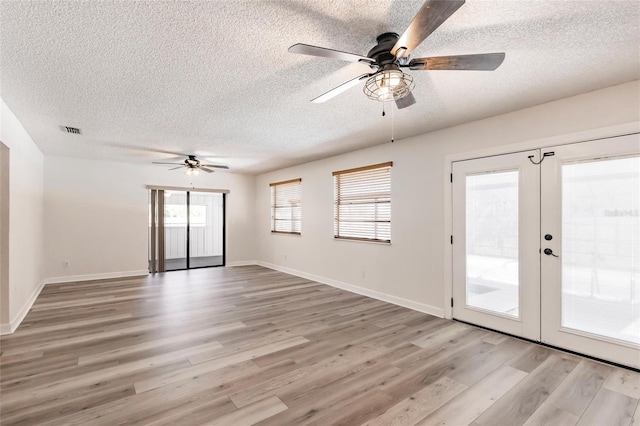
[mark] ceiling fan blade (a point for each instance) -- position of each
(176, 168)
(164, 162)
(479, 62)
(406, 101)
(430, 16)
(205, 169)
(215, 166)
(180, 158)
(307, 49)
(336, 91)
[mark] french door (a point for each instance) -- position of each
(186, 230)
(547, 246)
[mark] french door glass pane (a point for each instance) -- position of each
(601, 247)
(492, 242)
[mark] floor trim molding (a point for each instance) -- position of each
(410, 304)
(93, 277)
(241, 263)
(17, 320)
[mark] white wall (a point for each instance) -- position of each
(411, 269)
(25, 220)
(96, 215)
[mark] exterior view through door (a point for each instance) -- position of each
(186, 230)
(551, 251)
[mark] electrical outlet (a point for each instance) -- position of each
(65, 264)
(285, 256)
(363, 274)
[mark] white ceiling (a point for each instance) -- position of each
(147, 79)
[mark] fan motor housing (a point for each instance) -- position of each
(381, 52)
(192, 161)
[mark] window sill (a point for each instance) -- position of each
(356, 240)
(295, 234)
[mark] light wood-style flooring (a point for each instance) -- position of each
(249, 345)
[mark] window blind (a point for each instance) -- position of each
(286, 207)
(362, 209)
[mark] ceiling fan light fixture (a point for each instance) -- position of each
(388, 85)
(192, 171)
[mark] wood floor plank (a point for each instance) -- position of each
(308, 404)
(21, 358)
(549, 415)
(67, 326)
(117, 353)
(41, 393)
(419, 405)
(212, 363)
(524, 399)
(530, 358)
(636, 416)
(576, 392)
(352, 359)
(624, 381)
(467, 406)
(250, 345)
(71, 403)
(474, 369)
(252, 413)
(167, 399)
(53, 403)
(356, 411)
(609, 408)
(192, 412)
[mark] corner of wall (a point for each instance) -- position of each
(11, 326)
(25, 222)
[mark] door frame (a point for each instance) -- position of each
(224, 193)
(567, 139)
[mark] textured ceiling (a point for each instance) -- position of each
(147, 79)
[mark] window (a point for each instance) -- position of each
(362, 208)
(286, 207)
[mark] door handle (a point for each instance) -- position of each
(549, 252)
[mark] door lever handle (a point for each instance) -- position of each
(549, 252)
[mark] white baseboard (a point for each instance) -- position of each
(416, 306)
(242, 263)
(15, 322)
(93, 277)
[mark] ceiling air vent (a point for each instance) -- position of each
(73, 130)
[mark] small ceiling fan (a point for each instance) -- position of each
(388, 82)
(191, 165)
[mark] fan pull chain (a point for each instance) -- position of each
(383, 113)
(391, 124)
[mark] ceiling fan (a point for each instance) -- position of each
(387, 82)
(191, 165)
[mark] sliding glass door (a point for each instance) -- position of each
(206, 229)
(186, 230)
